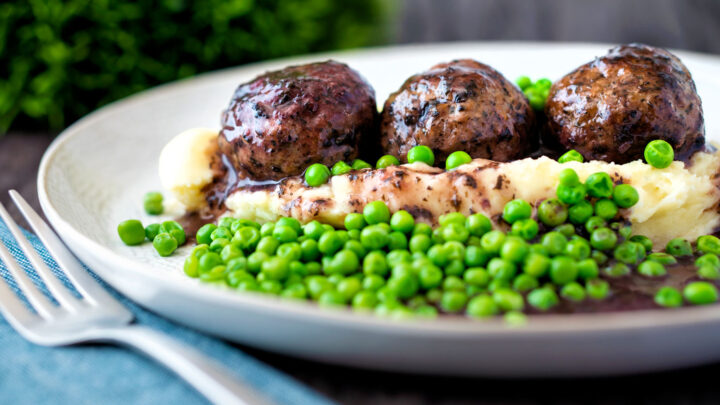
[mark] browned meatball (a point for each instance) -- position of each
(281, 122)
(609, 109)
(461, 105)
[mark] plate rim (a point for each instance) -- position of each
(540, 326)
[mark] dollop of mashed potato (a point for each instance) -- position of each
(678, 201)
(184, 165)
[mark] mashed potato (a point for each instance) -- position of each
(679, 201)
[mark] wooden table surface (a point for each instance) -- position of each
(19, 158)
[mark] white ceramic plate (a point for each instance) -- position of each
(95, 174)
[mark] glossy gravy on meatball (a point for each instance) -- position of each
(609, 109)
(462, 105)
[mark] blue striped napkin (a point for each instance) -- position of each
(31, 374)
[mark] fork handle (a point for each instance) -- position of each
(207, 377)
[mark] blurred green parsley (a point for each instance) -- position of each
(62, 59)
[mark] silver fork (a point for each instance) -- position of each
(97, 316)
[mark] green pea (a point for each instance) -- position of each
(594, 223)
(535, 98)
(235, 277)
(501, 269)
(404, 286)
(266, 229)
(153, 203)
(359, 164)
(524, 282)
(536, 265)
(456, 159)
(700, 293)
(478, 224)
(230, 252)
(151, 231)
(523, 82)
(644, 241)
(402, 221)
(708, 259)
(476, 276)
(255, 261)
(554, 242)
(397, 256)
(599, 185)
(625, 196)
(455, 232)
(543, 83)
(419, 243)
(217, 273)
(430, 276)
(374, 263)
(514, 249)
(668, 297)
(291, 251)
(587, 269)
(340, 168)
(373, 282)
(203, 235)
(237, 263)
(525, 228)
(421, 153)
(364, 300)
(476, 256)
(267, 244)
(386, 161)
(578, 249)
(165, 244)
(190, 266)
(174, 229)
(708, 272)
(343, 262)
(627, 252)
(563, 270)
(492, 241)
(552, 212)
(605, 208)
(508, 300)
(516, 210)
(219, 244)
(452, 218)
(597, 289)
(354, 221)
(542, 298)
(131, 232)
(662, 258)
(349, 287)
(284, 233)
(482, 306)
(376, 212)
(651, 268)
(679, 247)
(573, 292)
(708, 244)
(422, 229)
(276, 268)
(374, 238)
(453, 283)
(453, 301)
(579, 213)
(571, 156)
(603, 239)
(331, 298)
(571, 194)
(659, 154)
(356, 247)
(312, 230)
(208, 261)
(226, 222)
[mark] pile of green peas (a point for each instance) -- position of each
(566, 248)
(536, 92)
(318, 174)
(166, 237)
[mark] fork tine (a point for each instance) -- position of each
(41, 304)
(13, 309)
(53, 284)
(73, 269)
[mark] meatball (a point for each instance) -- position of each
(609, 109)
(461, 105)
(281, 122)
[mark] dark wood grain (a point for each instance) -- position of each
(19, 158)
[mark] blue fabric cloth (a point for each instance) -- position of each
(98, 374)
